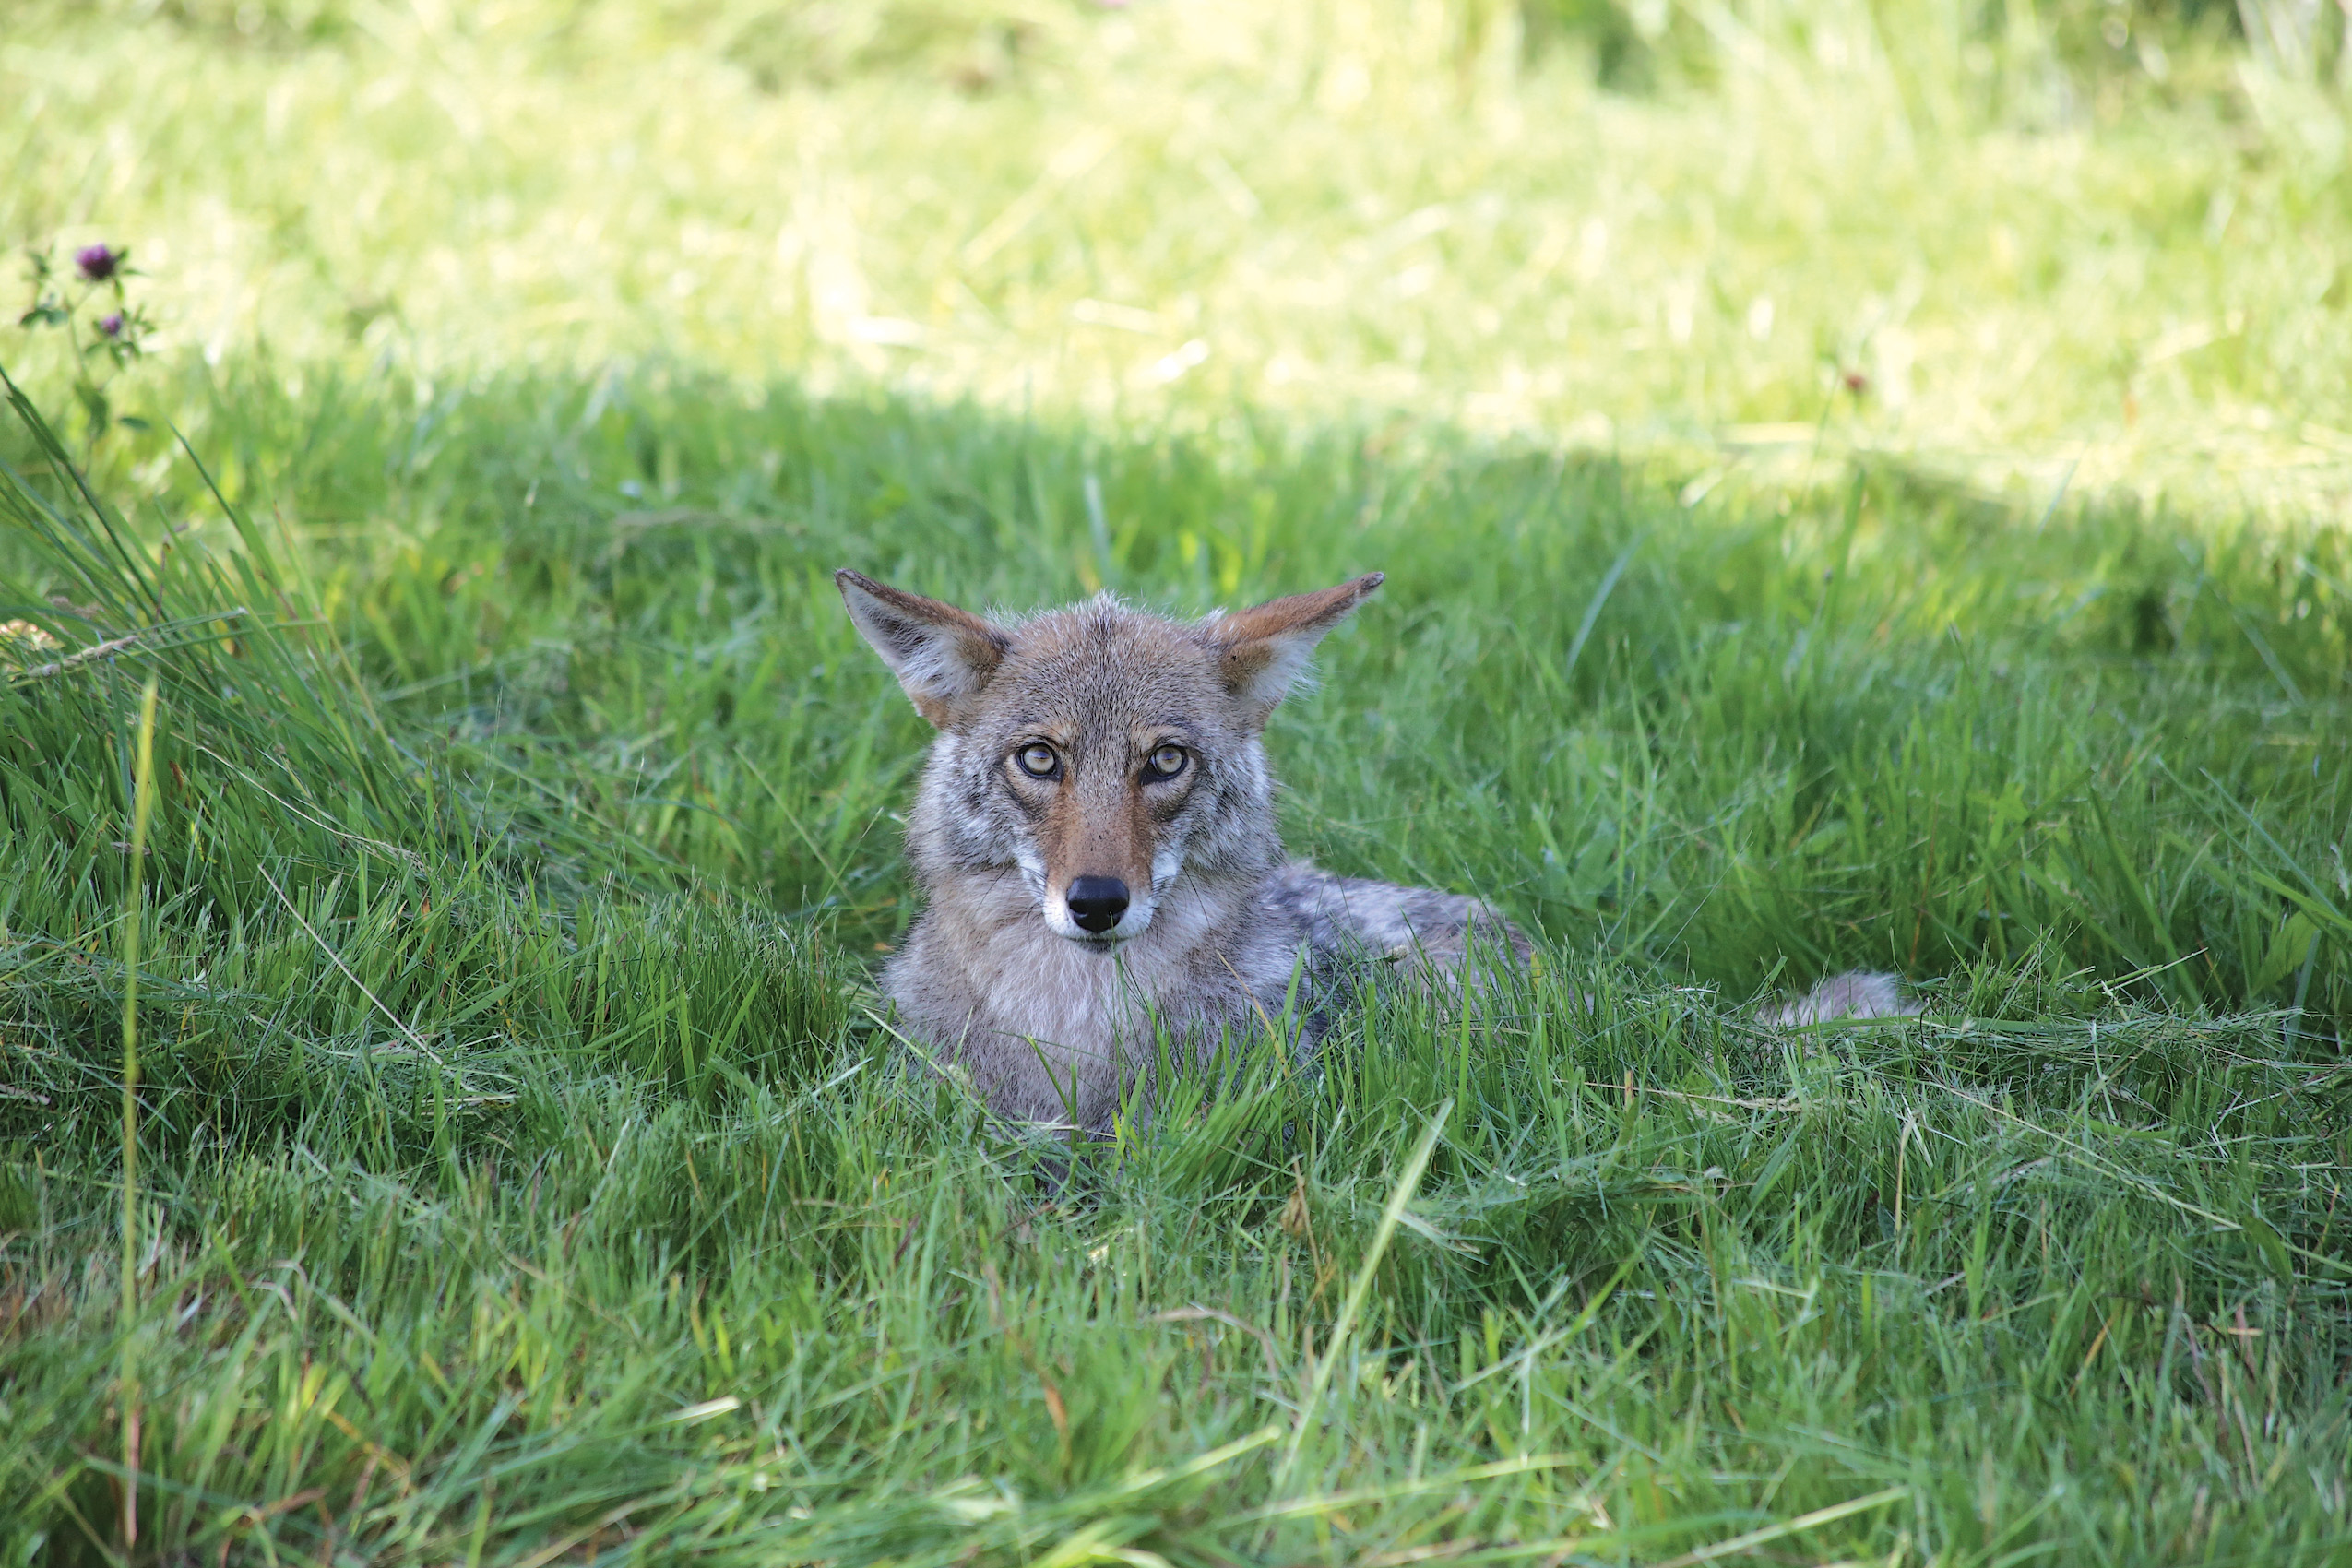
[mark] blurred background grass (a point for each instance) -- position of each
(2022, 245)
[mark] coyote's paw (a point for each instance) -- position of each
(1858, 993)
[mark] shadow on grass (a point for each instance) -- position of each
(527, 1175)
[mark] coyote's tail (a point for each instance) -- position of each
(1858, 993)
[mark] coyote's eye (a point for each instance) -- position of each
(1037, 760)
(1166, 763)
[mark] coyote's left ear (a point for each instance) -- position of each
(1264, 649)
(943, 656)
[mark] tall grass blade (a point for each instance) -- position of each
(134, 923)
(1408, 1181)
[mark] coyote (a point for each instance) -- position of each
(1095, 838)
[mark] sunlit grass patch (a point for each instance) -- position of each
(2017, 249)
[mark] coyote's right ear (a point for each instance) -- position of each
(943, 656)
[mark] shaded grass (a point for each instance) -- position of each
(528, 1178)
(1878, 723)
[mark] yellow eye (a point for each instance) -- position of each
(1037, 760)
(1167, 762)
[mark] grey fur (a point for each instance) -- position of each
(1054, 1027)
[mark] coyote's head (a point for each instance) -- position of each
(1092, 760)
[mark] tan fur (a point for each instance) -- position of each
(1059, 1024)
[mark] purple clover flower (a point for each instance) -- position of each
(111, 325)
(97, 263)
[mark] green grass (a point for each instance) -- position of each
(526, 1172)
(512, 1085)
(2060, 261)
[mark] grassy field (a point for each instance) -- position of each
(524, 1169)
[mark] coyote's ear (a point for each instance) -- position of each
(1265, 649)
(941, 655)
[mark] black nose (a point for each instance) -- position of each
(1097, 902)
